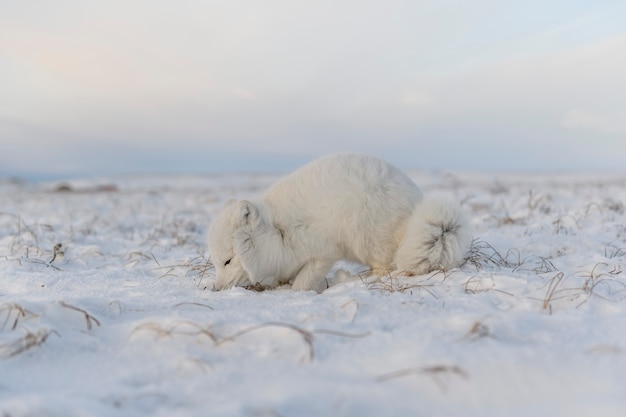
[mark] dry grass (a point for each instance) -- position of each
(306, 335)
(178, 328)
(192, 329)
(553, 290)
(565, 224)
(24, 343)
(400, 282)
(537, 264)
(613, 252)
(57, 254)
(478, 331)
(198, 267)
(436, 372)
(89, 319)
(475, 285)
(258, 287)
(202, 268)
(356, 306)
(11, 317)
(13, 313)
(602, 281)
(194, 304)
(482, 255)
(26, 240)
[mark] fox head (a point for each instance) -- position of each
(231, 238)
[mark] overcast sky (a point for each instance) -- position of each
(107, 87)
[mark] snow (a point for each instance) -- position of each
(123, 321)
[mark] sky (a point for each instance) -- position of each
(152, 86)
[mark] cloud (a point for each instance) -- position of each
(604, 123)
(284, 78)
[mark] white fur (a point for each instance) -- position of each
(340, 207)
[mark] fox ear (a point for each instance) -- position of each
(248, 213)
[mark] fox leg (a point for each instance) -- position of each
(312, 276)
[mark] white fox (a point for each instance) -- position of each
(340, 207)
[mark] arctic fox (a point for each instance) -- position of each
(340, 207)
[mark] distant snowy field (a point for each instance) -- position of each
(106, 309)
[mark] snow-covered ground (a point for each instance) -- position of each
(106, 309)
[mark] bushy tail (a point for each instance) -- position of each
(437, 238)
